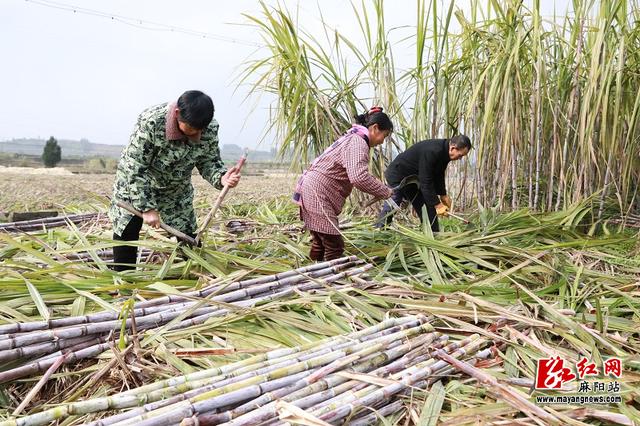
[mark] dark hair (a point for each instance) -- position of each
(196, 109)
(460, 142)
(375, 116)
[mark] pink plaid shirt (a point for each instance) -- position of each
(329, 181)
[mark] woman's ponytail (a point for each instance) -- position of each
(374, 116)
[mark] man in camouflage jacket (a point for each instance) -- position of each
(154, 172)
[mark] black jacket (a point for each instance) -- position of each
(428, 160)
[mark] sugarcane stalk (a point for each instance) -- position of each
(263, 408)
(353, 389)
(211, 289)
(509, 395)
(132, 398)
(31, 351)
(315, 270)
(218, 202)
(228, 394)
(37, 367)
(34, 391)
(359, 389)
(104, 254)
(204, 315)
(44, 221)
(386, 408)
(306, 393)
(93, 328)
(260, 377)
(204, 418)
(368, 334)
(246, 291)
(154, 319)
(179, 234)
(9, 329)
(372, 394)
(283, 354)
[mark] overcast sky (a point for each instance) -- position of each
(74, 75)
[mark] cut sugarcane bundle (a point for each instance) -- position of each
(105, 255)
(26, 348)
(50, 222)
(331, 378)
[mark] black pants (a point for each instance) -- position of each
(124, 257)
(326, 246)
(414, 195)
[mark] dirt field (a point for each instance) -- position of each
(24, 192)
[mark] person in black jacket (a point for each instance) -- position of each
(425, 161)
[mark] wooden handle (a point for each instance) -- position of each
(181, 235)
(218, 202)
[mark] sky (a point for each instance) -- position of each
(88, 74)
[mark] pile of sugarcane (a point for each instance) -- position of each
(354, 377)
(237, 226)
(105, 255)
(33, 347)
(49, 222)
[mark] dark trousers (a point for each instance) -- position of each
(326, 246)
(414, 195)
(124, 257)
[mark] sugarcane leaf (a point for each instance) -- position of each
(37, 300)
(164, 288)
(432, 405)
(96, 299)
(77, 308)
(292, 414)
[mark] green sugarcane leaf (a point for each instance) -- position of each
(432, 405)
(37, 299)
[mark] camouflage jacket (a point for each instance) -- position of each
(155, 169)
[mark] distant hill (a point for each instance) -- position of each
(70, 148)
(84, 149)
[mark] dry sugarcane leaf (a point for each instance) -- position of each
(195, 352)
(367, 378)
(294, 415)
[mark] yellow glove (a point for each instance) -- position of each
(446, 200)
(442, 210)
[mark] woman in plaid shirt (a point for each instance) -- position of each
(324, 187)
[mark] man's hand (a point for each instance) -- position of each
(442, 210)
(446, 200)
(151, 218)
(231, 178)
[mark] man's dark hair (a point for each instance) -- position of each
(460, 142)
(196, 109)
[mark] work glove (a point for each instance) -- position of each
(446, 200)
(442, 210)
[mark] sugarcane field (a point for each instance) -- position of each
(281, 212)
